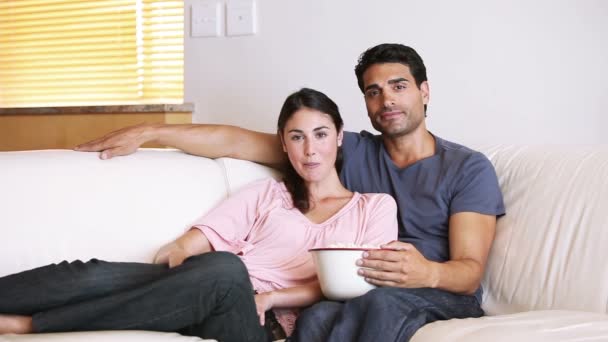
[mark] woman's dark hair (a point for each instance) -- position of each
(391, 53)
(316, 100)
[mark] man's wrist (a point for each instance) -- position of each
(435, 275)
(152, 132)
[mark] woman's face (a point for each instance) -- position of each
(311, 141)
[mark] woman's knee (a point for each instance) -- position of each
(218, 265)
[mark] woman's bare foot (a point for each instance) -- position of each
(14, 324)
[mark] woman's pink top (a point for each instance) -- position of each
(272, 237)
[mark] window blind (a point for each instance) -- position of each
(103, 52)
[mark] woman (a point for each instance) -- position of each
(256, 240)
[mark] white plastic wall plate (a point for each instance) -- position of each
(240, 17)
(206, 18)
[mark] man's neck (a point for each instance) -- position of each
(410, 148)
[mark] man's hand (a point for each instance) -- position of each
(118, 143)
(171, 254)
(263, 303)
(398, 264)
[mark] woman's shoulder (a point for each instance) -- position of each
(374, 200)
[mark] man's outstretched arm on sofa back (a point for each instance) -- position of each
(211, 141)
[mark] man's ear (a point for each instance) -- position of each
(340, 137)
(426, 92)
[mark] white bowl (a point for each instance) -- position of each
(337, 272)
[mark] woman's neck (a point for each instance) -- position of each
(328, 188)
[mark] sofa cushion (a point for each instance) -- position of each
(549, 251)
(103, 336)
(532, 326)
(240, 172)
(65, 205)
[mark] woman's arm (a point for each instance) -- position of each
(192, 242)
(292, 297)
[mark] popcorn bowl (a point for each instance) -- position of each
(337, 272)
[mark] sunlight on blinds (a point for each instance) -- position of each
(77, 53)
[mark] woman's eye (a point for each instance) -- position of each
(321, 135)
(295, 137)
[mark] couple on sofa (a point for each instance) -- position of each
(447, 202)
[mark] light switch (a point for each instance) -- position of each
(240, 17)
(205, 18)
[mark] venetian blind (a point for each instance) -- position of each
(103, 52)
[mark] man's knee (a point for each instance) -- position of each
(322, 312)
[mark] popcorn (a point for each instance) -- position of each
(352, 245)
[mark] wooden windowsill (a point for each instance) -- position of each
(151, 108)
(66, 127)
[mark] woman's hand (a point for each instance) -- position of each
(172, 254)
(263, 303)
(192, 242)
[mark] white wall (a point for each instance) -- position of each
(523, 71)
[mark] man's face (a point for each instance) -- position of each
(395, 105)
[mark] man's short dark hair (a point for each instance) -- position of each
(391, 53)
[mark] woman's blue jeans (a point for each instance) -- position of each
(209, 296)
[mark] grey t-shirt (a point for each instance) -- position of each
(455, 179)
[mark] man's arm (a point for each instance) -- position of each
(211, 141)
(470, 237)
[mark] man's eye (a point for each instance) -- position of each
(295, 137)
(321, 135)
(399, 86)
(372, 93)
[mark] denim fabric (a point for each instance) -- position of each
(204, 297)
(383, 314)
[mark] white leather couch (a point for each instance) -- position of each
(547, 277)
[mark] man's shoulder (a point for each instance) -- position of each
(362, 137)
(455, 152)
(360, 144)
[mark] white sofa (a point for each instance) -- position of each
(547, 276)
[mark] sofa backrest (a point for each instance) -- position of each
(549, 251)
(62, 205)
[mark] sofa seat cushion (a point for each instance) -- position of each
(103, 336)
(530, 326)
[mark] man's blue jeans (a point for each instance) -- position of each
(206, 296)
(383, 314)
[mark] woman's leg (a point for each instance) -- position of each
(210, 296)
(57, 285)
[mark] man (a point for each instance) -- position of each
(448, 198)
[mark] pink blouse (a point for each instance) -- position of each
(260, 224)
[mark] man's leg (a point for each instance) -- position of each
(316, 322)
(393, 314)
